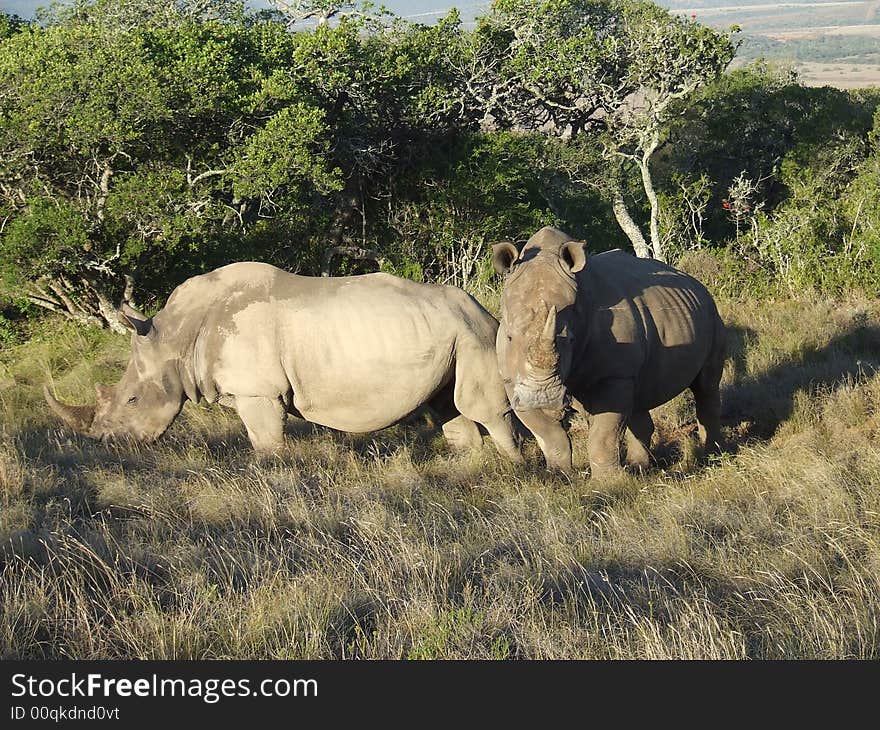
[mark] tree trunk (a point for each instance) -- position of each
(108, 312)
(352, 252)
(648, 185)
(346, 208)
(85, 303)
(628, 225)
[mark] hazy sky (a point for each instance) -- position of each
(418, 10)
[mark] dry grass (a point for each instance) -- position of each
(388, 545)
(839, 74)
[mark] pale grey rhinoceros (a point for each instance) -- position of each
(618, 334)
(354, 353)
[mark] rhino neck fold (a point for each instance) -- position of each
(188, 380)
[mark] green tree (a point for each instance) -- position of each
(107, 117)
(613, 70)
(792, 178)
(9, 25)
(164, 140)
(748, 125)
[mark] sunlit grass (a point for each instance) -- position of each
(389, 545)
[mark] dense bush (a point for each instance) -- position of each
(781, 176)
(153, 141)
(166, 146)
(156, 141)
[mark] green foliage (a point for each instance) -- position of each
(156, 141)
(453, 633)
(792, 176)
(294, 139)
(753, 120)
(860, 206)
(9, 334)
(49, 236)
(479, 189)
(617, 71)
(557, 62)
(9, 25)
(100, 122)
(685, 207)
(161, 140)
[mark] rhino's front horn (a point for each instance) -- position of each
(79, 418)
(542, 355)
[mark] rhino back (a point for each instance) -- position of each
(649, 322)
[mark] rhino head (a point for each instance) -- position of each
(143, 404)
(537, 333)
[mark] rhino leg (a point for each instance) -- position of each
(707, 395)
(551, 437)
(610, 406)
(462, 433)
(264, 420)
(478, 395)
(501, 432)
(603, 443)
(708, 402)
(490, 413)
(640, 428)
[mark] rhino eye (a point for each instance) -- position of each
(132, 400)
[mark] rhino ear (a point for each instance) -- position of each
(503, 256)
(134, 320)
(575, 255)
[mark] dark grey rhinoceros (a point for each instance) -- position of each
(618, 334)
(354, 353)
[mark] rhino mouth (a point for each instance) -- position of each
(532, 399)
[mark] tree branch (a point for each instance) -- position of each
(354, 252)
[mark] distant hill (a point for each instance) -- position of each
(835, 42)
(829, 42)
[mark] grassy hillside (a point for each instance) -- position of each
(828, 42)
(387, 545)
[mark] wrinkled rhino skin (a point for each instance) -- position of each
(354, 353)
(616, 334)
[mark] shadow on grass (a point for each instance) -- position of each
(754, 406)
(350, 627)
